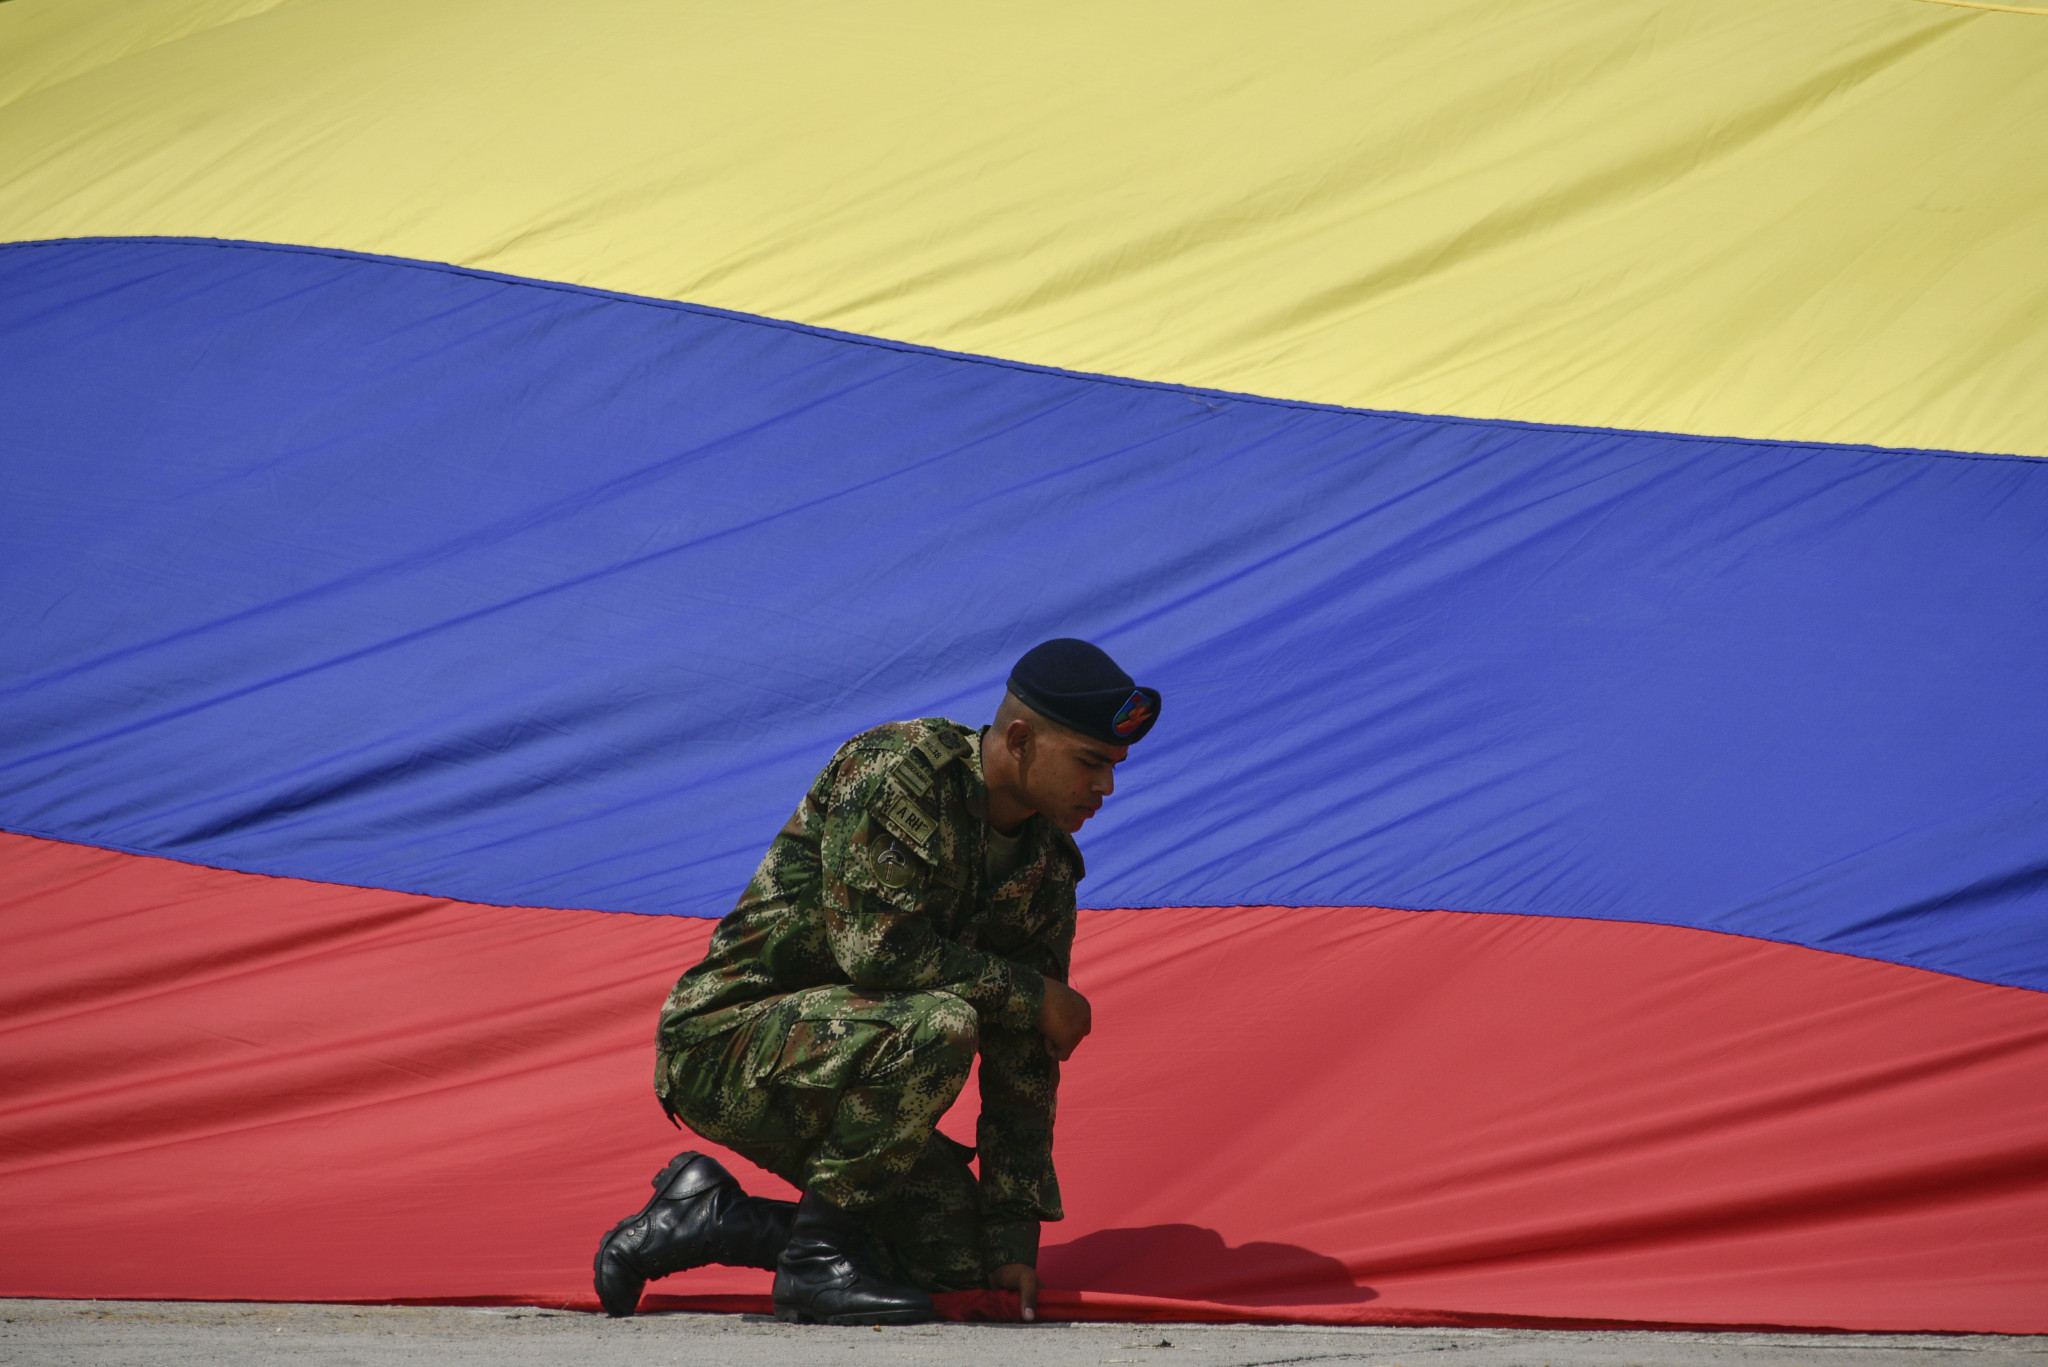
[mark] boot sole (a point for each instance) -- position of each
(789, 1314)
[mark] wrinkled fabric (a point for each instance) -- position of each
(1341, 1115)
(380, 573)
(1818, 221)
(389, 572)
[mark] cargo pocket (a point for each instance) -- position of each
(829, 1036)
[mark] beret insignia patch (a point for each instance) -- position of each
(1132, 715)
(892, 867)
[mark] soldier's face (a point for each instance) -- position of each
(1067, 775)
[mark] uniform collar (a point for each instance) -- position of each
(977, 780)
(977, 796)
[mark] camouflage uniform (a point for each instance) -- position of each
(843, 1001)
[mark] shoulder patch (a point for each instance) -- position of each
(903, 815)
(917, 780)
(892, 866)
(939, 747)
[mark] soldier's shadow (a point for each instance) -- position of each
(1188, 1262)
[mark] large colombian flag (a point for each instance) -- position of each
(1569, 465)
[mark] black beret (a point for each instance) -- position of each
(1078, 686)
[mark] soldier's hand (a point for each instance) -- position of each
(1020, 1279)
(1064, 1020)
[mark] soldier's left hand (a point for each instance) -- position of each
(1023, 1280)
(1064, 1020)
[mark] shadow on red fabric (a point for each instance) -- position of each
(1192, 1263)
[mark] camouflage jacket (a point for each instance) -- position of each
(879, 880)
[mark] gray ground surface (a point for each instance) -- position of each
(170, 1334)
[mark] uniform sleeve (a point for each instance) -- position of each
(876, 887)
(1019, 1098)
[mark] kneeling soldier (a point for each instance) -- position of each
(917, 910)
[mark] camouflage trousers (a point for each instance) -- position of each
(839, 1091)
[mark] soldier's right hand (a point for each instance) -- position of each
(1064, 1020)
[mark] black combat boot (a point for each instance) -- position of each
(824, 1276)
(698, 1215)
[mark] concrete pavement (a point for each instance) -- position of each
(193, 1334)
